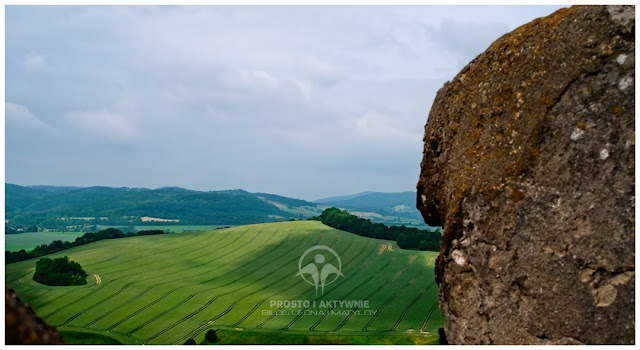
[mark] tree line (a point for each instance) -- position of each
(58, 245)
(406, 237)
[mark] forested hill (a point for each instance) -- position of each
(56, 207)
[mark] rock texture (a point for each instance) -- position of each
(23, 326)
(529, 167)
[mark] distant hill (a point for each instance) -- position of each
(78, 208)
(341, 198)
(61, 207)
(366, 204)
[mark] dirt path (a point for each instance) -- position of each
(98, 280)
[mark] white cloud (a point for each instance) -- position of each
(258, 79)
(375, 126)
(237, 86)
(34, 62)
(21, 115)
(321, 72)
(109, 125)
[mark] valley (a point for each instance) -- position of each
(166, 289)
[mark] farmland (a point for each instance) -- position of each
(29, 240)
(166, 289)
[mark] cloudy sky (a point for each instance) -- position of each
(301, 101)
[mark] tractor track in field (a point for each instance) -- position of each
(117, 307)
(429, 314)
(191, 296)
(235, 303)
(375, 291)
(410, 305)
(282, 290)
(166, 311)
(74, 300)
(154, 253)
(312, 328)
(216, 258)
(234, 291)
(47, 291)
(334, 287)
(287, 288)
(412, 281)
(331, 289)
(251, 262)
(104, 300)
(194, 294)
(190, 247)
(115, 293)
(139, 311)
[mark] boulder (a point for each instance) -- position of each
(529, 168)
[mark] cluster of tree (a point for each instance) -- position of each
(57, 245)
(19, 229)
(59, 272)
(406, 237)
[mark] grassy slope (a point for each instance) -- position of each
(165, 289)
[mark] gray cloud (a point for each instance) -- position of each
(18, 116)
(305, 101)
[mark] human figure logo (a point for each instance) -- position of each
(318, 269)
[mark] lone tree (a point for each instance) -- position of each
(211, 336)
(190, 341)
(59, 272)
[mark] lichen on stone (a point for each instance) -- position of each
(528, 164)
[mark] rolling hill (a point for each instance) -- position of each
(85, 208)
(166, 289)
(64, 207)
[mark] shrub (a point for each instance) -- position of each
(211, 336)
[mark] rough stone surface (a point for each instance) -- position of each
(529, 167)
(23, 326)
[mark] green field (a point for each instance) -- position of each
(165, 289)
(30, 240)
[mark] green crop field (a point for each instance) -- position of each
(30, 240)
(166, 289)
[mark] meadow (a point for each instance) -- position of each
(29, 240)
(166, 289)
